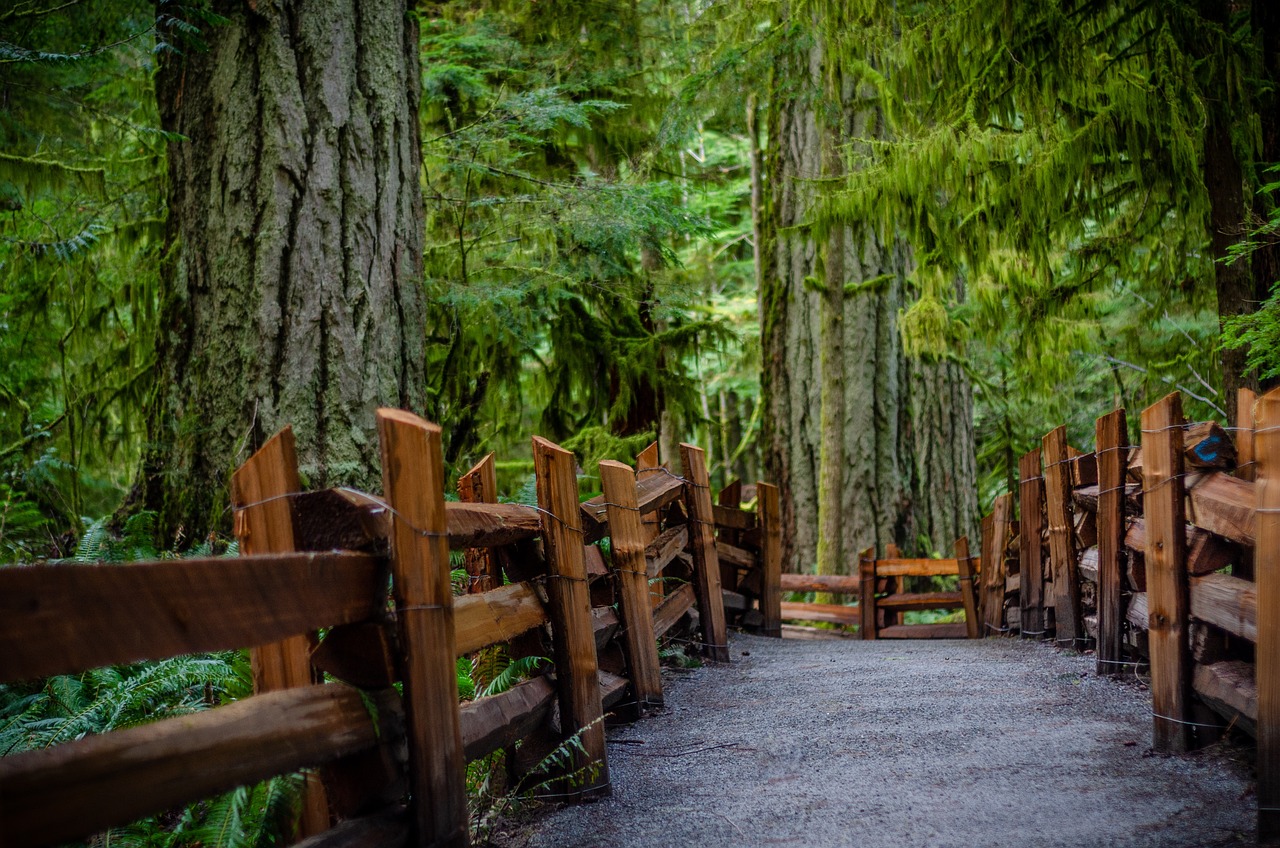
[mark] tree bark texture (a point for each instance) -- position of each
(909, 471)
(295, 231)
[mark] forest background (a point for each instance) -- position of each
(870, 251)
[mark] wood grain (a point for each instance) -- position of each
(846, 584)
(1225, 505)
(832, 613)
(733, 555)
(413, 480)
(900, 567)
(968, 589)
(672, 608)
(53, 795)
(1031, 569)
(627, 544)
(769, 504)
(702, 545)
(925, 631)
(1266, 448)
(1230, 689)
(88, 615)
(733, 518)
(573, 636)
(994, 570)
(1167, 601)
(867, 568)
(498, 615)
(1062, 553)
(1112, 434)
(1227, 602)
(479, 485)
(921, 601)
(499, 721)
(664, 548)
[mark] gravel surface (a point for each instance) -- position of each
(890, 743)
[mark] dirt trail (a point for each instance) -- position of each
(868, 744)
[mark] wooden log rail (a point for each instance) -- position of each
(871, 570)
(297, 584)
(1165, 555)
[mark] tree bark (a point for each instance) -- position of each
(293, 285)
(909, 470)
(831, 360)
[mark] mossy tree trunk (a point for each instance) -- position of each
(909, 470)
(293, 284)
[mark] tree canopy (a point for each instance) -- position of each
(1068, 179)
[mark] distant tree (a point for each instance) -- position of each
(875, 444)
(81, 225)
(292, 281)
(1058, 152)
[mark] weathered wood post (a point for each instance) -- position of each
(480, 485)
(1166, 559)
(1031, 591)
(1266, 448)
(730, 496)
(770, 512)
(867, 593)
(1112, 440)
(968, 591)
(702, 544)
(627, 544)
(647, 464)
(995, 543)
(413, 484)
(1062, 548)
(261, 491)
(1246, 466)
(572, 631)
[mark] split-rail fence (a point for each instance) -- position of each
(373, 573)
(1164, 558)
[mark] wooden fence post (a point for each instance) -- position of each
(572, 630)
(627, 544)
(867, 595)
(993, 563)
(260, 493)
(1031, 592)
(702, 544)
(1267, 575)
(480, 485)
(646, 464)
(1246, 466)
(413, 483)
(1062, 548)
(770, 512)
(1112, 440)
(1166, 559)
(730, 496)
(968, 591)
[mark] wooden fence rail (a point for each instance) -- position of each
(1162, 556)
(325, 560)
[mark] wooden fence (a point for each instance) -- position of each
(879, 588)
(324, 560)
(1164, 555)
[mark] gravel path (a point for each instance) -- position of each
(834, 743)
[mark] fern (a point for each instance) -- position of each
(515, 672)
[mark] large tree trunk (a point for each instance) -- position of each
(909, 470)
(295, 226)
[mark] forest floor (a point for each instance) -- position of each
(896, 744)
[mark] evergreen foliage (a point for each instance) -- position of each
(81, 177)
(559, 243)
